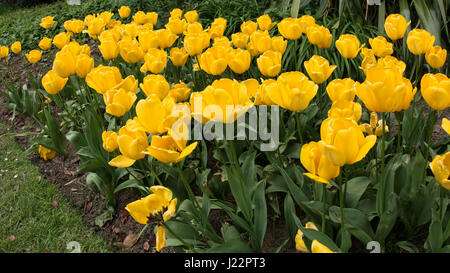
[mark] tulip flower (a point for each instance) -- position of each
(252, 87)
(317, 247)
(4, 50)
(177, 26)
(262, 95)
(178, 56)
(166, 38)
(343, 142)
(381, 47)
(95, 27)
(292, 91)
(375, 127)
(269, 63)
(131, 30)
(319, 36)
(34, 56)
(435, 90)
(345, 109)
(435, 57)
(299, 243)
(109, 140)
(265, 22)
(239, 39)
(390, 62)
(16, 47)
(155, 61)
(148, 39)
(385, 90)
(103, 78)
(176, 13)
(395, 26)
(53, 83)
(279, 44)
(217, 27)
(191, 16)
(419, 41)
(319, 167)
(342, 89)
(446, 125)
(248, 27)
(45, 153)
(194, 43)
(45, 43)
(348, 45)
(140, 18)
(180, 92)
(222, 41)
(130, 51)
(368, 57)
(83, 65)
(440, 166)
(124, 12)
(305, 22)
(47, 22)
(214, 60)
(155, 84)
(64, 63)
(74, 26)
(105, 16)
(167, 150)
(118, 101)
(61, 39)
(109, 49)
(319, 69)
(239, 60)
(261, 41)
(290, 28)
(155, 115)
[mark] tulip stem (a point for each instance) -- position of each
(297, 119)
(153, 172)
(432, 118)
(441, 206)
(381, 187)
(399, 118)
(178, 237)
(324, 207)
(188, 188)
(341, 207)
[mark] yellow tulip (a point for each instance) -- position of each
(34, 56)
(262, 95)
(317, 247)
(279, 44)
(53, 83)
(440, 166)
(129, 84)
(319, 36)
(320, 168)
(292, 91)
(140, 18)
(435, 90)
(261, 41)
(166, 38)
(385, 90)
(191, 16)
(109, 49)
(395, 26)
(16, 47)
(214, 60)
(95, 27)
(155, 61)
(446, 125)
(269, 63)
(239, 39)
(131, 30)
(217, 27)
(252, 87)
(265, 22)
(109, 140)
(305, 22)
(299, 243)
(342, 89)
(114, 34)
(194, 43)
(348, 45)
(167, 150)
(148, 39)
(239, 60)
(368, 57)
(435, 57)
(64, 63)
(83, 65)
(176, 13)
(290, 28)
(61, 39)
(124, 12)
(47, 22)
(130, 51)
(160, 238)
(180, 92)
(177, 26)
(375, 127)
(74, 26)
(178, 56)
(118, 101)
(103, 78)
(343, 142)
(419, 41)
(45, 43)
(45, 153)
(155, 84)
(154, 114)
(389, 62)
(248, 27)
(105, 16)
(4, 50)
(381, 47)
(223, 42)
(319, 69)
(345, 109)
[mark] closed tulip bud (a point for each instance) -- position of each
(446, 125)
(155, 61)
(155, 84)
(395, 26)
(261, 41)
(166, 38)
(419, 41)
(45, 43)
(348, 45)
(195, 43)
(4, 51)
(118, 101)
(109, 139)
(262, 95)
(299, 243)
(34, 56)
(130, 51)
(265, 22)
(217, 28)
(435, 57)
(95, 27)
(124, 12)
(249, 27)
(269, 63)
(191, 16)
(320, 168)
(103, 78)
(214, 60)
(176, 13)
(290, 28)
(177, 26)
(148, 39)
(74, 26)
(345, 109)
(180, 92)
(45, 153)
(381, 47)
(109, 49)
(319, 36)
(305, 22)
(84, 65)
(239, 60)
(61, 39)
(343, 142)
(319, 69)
(178, 56)
(16, 47)
(292, 91)
(317, 247)
(279, 44)
(342, 89)
(440, 166)
(47, 22)
(239, 39)
(53, 83)
(64, 64)
(435, 90)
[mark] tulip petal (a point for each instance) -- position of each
(121, 161)
(187, 151)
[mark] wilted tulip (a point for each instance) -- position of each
(435, 90)
(395, 26)
(61, 39)
(319, 36)
(419, 41)
(440, 166)
(345, 109)
(45, 153)
(109, 49)
(45, 43)
(279, 44)
(103, 78)
(131, 51)
(269, 63)
(34, 56)
(320, 168)
(319, 69)
(435, 57)
(348, 45)
(16, 47)
(109, 139)
(191, 16)
(239, 60)
(124, 12)
(4, 50)
(214, 60)
(118, 101)
(155, 61)
(299, 243)
(47, 22)
(265, 22)
(375, 127)
(194, 43)
(290, 28)
(83, 65)
(381, 47)
(155, 84)
(342, 89)
(166, 38)
(53, 83)
(217, 27)
(248, 27)
(239, 39)
(177, 26)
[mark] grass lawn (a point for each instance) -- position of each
(34, 217)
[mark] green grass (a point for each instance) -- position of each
(27, 212)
